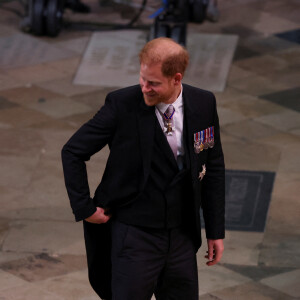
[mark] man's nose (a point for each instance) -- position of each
(145, 87)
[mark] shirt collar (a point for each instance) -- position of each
(177, 104)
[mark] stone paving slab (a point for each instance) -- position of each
(20, 117)
(41, 236)
(250, 291)
(66, 87)
(43, 266)
(34, 51)
(27, 291)
(240, 155)
(9, 281)
(73, 286)
(288, 283)
(17, 171)
(218, 278)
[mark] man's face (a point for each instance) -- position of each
(155, 86)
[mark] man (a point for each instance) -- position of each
(165, 162)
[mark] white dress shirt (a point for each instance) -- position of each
(177, 120)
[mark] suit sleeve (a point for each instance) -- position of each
(213, 188)
(88, 140)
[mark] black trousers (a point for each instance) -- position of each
(152, 261)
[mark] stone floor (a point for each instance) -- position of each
(42, 253)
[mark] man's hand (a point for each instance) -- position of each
(215, 251)
(99, 216)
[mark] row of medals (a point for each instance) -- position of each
(204, 139)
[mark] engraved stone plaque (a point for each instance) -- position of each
(111, 59)
(248, 194)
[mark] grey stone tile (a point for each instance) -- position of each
(287, 183)
(10, 256)
(284, 217)
(251, 156)
(77, 45)
(66, 87)
(280, 249)
(288, 98)
(9, 281)
(242, 52)
(59, 107)
(289, 12)
(20, 141)
(257, 273)
(4, 103)
(42, 266)
(93, 99)
(52, 141)
(7, 82)
(77, 120)
(66, 67)
(257, 85)
(27, 94)
(240, 30)
(21, 117)
(250, 130)
(235, 73)
(73, 286)
(37, 73)
(48, 177)
(251, 106)
(285, 139)
(242, 248)
(288, 283)
(264, 64)
(290, 55)
(27, 292)
(7, 30)
(17, 171)
(34, 51)
(217, 278)
(285, 120)
(42, 236)
(228, 116)
(250, 291)
(268, 44)
(268, 24)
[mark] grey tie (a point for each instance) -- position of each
(169, 128)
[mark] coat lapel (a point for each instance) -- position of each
(146, 127)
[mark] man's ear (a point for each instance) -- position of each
(177, 78)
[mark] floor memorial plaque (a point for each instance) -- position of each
(111, 59)
(248, 194)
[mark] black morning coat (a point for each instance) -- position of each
(127, 125)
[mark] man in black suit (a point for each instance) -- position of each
(142, 227)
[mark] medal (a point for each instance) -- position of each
(201, 140)
(196, 143)
(211, 139)
(205, 143)
(169, 122)
(169, 128)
